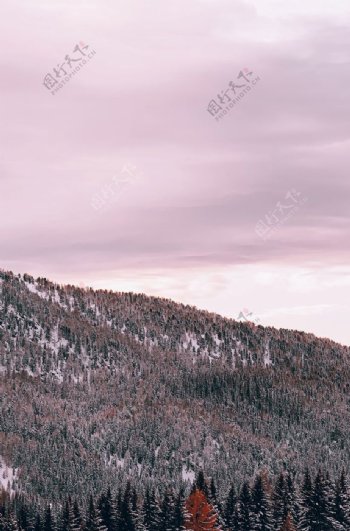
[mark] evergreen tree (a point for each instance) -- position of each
(214, 501)
(306, 510)
(245, 517)
(37, 525)
(201, 484)
(9, 522)
(48, 520)
(292, 502)
(342, 502)
(262, 517)
(179, 514)
(166, 514)
(69, 521)
(93, 518)
(126, 520)
(23, 519)
(230, 512)
(77, 516)
(279, 501)
(107, 510)
(288, 524)
(150, 511)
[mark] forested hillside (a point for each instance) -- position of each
(101, 388)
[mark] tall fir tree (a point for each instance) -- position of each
(150, 511)
(69, 521)
(125, 518)
(201, 484)
(37, 524)
(93, 518)
(306, 503)
(342, 502)
(288, 524)
(245, 516)
(262, 514)
(279, 499)
(230, 512)
(179, 511)
(49, 524)
(108, 511)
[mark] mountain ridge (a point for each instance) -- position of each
(99, 387)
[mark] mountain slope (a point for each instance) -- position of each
(98, 387)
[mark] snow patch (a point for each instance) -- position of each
(8, 477)
(188, 475)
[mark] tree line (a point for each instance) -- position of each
(282, 504)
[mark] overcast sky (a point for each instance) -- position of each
(123, 179)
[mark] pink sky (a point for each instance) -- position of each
(185, 225)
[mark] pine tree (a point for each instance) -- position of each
(150, 511)
(10, 522)
(292, 502)
(201, 515)
(245, 517)
(165, 514)
(179, 514)
(48, 520)
(93, 518)
(320, 506)
(288, 524)
(262, 517)
(108, 511)
(77, 515)
(70, 521)
(279, 500)
(201, 484)
(23, 519)
(342, 502)
(230, 511)
(37, 525)
(126, 520)
(306, 510)
(214, 501)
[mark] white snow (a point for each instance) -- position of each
(267, 356)
(33, 289)
(8, 477)
(188, 475)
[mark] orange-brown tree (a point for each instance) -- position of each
(288, 524)
(200, 514)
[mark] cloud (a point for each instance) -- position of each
(142, 100)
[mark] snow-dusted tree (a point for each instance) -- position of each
(49, 524)
(93, 518)
(8, 522)
(245, 516)
(262, 514)
(230, 511)
(108, 511)
(279, 499)
(288, 524)
(150, 511)
(342, 502)
(69, 521)
(306, 503)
